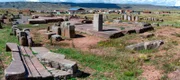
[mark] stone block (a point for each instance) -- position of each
(15, 71)
(56, 29)
(56, 38)
(48, 35)
(146, 45)
(98, 22)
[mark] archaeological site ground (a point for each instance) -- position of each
(81, 43)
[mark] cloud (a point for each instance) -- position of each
(177, 3)
(32, 0)
(154, 2)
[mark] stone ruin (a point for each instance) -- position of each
(45, 65)
(23, 36)
(146, 45)
(130, 18)
(98, 22)
(152, 19)
(61, 30)
(113, 30)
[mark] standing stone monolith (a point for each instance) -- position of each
(98, 22)
(129, 18)
(125, 17)
(136, 18)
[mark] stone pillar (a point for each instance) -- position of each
(136, 18)
(122, 17)
(125, 17)
(56, 29)
(129, 18)
(70, 31)
(98, 22)
(132, 18)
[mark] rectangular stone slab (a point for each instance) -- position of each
(16, 56)
(40, 49)
(60, 74)
(12, 47)
(41, 69)
(15, 71)
(32, 72)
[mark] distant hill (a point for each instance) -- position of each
(66, 5)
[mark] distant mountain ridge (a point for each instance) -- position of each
(66, 5)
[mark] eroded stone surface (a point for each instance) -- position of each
(146, 45)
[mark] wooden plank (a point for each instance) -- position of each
(29, 65)
(12, 47)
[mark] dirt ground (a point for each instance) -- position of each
(151, 73)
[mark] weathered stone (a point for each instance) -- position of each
(56, 60)
(132, 18)
(30, 41)
(49, 34)
(86, 21)
(12, 47)
(146, 45)
(129, 18)
(136, 18)
(155, 24)
(40, 50)
(56, 30)
(23, 41)
(60, 75)
(16, 56)
(17, 32)
(98, 22)
(67, 30)
(147, 35)
(56, 38)
(70, 31)
(26, 29)
(15, 71)
(125, 17)
(117, 21)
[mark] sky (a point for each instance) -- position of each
(153, 2)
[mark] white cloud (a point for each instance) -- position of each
(177, 3)
(32, 0)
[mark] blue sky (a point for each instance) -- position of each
(154, 2)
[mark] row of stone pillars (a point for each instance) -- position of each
(130, 17)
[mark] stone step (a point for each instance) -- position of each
(12, 47)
